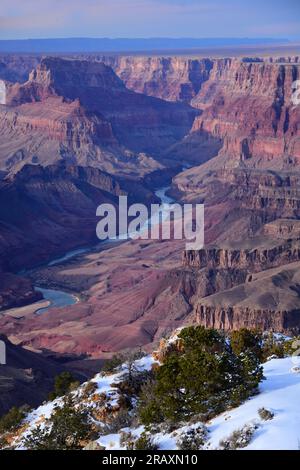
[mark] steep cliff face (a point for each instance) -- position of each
(249, 260)
(45, 211)
(82, 111)
(16, 68)
(134, 117)
(268, 301)
(53, 129)
(249, 105)
(169, 78)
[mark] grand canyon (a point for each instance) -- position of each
(82, 129)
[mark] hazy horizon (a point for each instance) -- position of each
(149, 19)
(154, 46)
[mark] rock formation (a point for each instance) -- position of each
(241, 134)
(169, 78)
(249, 105)
(84, 113)
(16, 291)
(48, 211)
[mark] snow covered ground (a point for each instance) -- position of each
(105, 386)
(279, 393)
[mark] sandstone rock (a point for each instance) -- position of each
(250, 106)
(169, 78)
(93, 445)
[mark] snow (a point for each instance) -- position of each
(279, 393)
(105, 384)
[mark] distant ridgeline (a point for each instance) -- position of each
(126, 44)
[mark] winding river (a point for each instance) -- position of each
(59, 298)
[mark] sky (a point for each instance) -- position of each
(149, 18)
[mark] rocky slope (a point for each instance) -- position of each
(16, 291)
(267, 421)
(169, 78)
(26, 378)
(249, 105)
(81, 111)
(46, 211)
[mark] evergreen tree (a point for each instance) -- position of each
(68, 428)
(205, 376)
(63, 384)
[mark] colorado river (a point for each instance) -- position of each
(59, 298)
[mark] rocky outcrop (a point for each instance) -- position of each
(239, 201)
(234, 318)
(81, 111)
(169, 78)
(282, 229)
(48, 211)
(16, 68)
(250, 106)
(249, 260)
(100, 90)
(16, 291)
(268, 301)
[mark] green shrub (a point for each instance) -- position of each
(193, 439)
(67, 429)
(265, 414)
(244, 341)
(131, 384)
(273, 346)
(239, 439)
(13, 419)
(145, 442)
(207, 376)
(63, 383)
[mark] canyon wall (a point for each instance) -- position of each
(266, 301)
(249, 260)
(82, 111)
(46, 211)
(169, 78)
(250, 106)
(242, 135)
